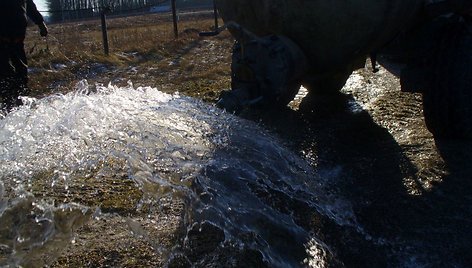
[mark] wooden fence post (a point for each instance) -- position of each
(216, 15)
(174, 17)
(104, 30)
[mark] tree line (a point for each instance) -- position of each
(61, 10)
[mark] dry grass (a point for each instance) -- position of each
(142, 49)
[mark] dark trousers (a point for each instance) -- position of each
(13, 74)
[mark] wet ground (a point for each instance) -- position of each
(408, 190)
(409, 193)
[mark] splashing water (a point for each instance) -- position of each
(235, 178)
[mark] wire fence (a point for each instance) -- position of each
(104, 13)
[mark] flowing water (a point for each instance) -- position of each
(235, 178)
(244, 199)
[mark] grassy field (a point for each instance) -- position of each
(142, 49)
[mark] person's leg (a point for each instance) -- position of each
(14, 75)
(6, 74)
(373, 60)
(20, 64)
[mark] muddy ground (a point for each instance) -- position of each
(403, 183)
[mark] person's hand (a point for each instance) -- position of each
(43, 29)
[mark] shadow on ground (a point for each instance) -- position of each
(397, 228)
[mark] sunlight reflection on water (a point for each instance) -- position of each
(170, 146)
